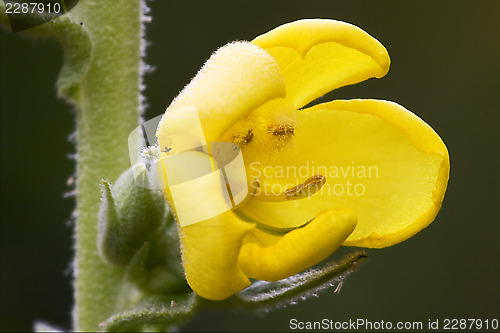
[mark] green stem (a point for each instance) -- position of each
(103, 44)
(108, 109)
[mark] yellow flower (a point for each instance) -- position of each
(365, 173)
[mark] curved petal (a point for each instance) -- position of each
(210, 251)
(299, 249)
(209, 248)
(317, 56)
(235, 80)
(378, 159)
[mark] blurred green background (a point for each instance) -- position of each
(445, 68)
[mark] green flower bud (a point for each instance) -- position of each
(129, 213)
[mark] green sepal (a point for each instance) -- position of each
(289, 291)
(137, 269)
(140, 208)
(155, 313)
(166, 274)
(169, 246)
(152, 275)
(109, 243)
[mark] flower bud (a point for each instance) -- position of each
(129, 213)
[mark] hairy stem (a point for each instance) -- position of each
(108, 109)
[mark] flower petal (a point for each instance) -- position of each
(378, 159)
(317, 56)
(299, 249)
(235, 80)
(210, 252)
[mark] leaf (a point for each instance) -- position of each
(156, 313)
(289, 291)
(77, 48)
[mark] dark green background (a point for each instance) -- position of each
(445, 68)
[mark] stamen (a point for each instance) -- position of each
(243, 139)
(281, 130)
(266, 191)
(309, 187)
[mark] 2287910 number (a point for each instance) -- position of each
(470, 324)
(32, 7)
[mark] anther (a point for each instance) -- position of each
(281, 130)
(243, 139)
(309, 187)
